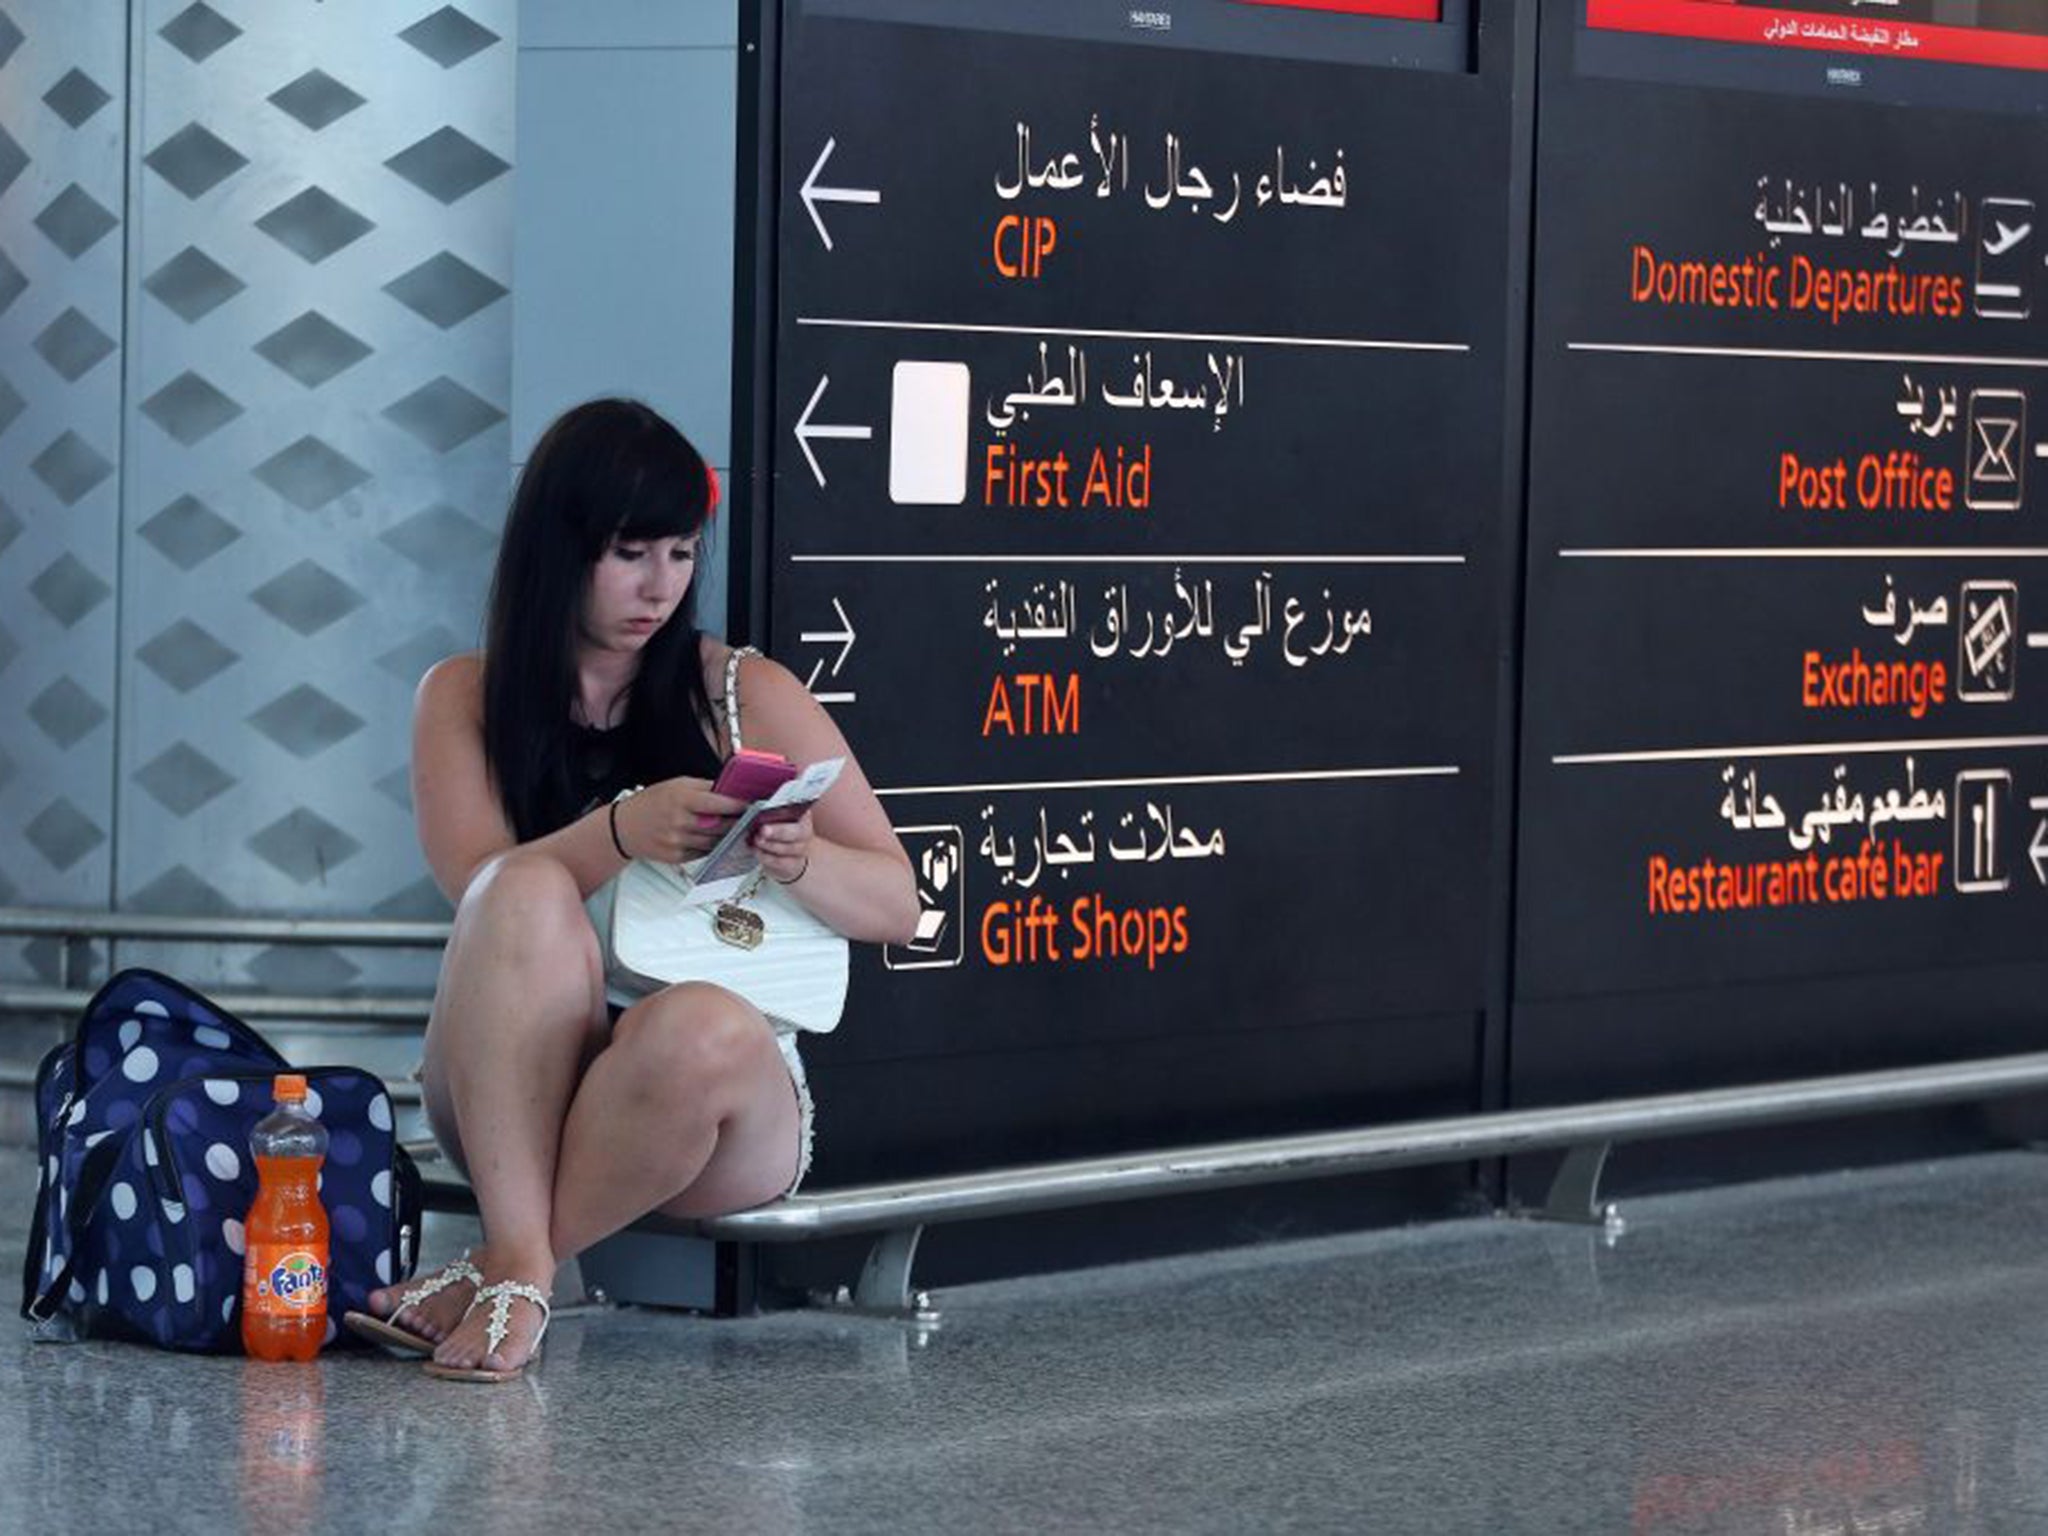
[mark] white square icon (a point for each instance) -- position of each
(928, 416)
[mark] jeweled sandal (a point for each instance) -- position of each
(500, 1296)
(385, 1330)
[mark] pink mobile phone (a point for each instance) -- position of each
(751, 775)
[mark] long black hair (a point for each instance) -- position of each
(607, 469)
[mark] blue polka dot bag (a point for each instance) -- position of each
(143, 1120)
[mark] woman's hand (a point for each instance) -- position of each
(784, 848)
(675, 820)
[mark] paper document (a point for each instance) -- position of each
(722, 872)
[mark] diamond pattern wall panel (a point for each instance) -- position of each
(317, 443)
(63, 112)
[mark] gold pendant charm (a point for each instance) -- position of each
(739, 927)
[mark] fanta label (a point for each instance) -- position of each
(284, 1280)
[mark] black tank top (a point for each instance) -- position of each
(598, 766)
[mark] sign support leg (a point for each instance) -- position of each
(884, 1286)
(1575, 1190)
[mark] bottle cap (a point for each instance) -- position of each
(290, 1088)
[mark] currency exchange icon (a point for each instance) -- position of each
(2005, 247)
(938, 859)
(1989, 624)
(1996, 481)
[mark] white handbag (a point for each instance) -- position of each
(761, 944)
(794, 971)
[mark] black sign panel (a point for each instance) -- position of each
(1138, 509)
(1785, 737)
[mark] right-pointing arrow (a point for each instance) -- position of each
(805, 431)
(843, 634)
(812, 194)
(844, 637)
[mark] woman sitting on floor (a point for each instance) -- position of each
(570, 1117)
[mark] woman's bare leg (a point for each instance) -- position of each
(518, 1013)
(689, 1110)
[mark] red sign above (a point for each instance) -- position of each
(1405, 10)
(1790, 27)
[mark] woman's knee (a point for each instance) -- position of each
(695, 1040)
(527, 896)
(522, 958)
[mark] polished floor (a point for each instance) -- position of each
(1819, 1357)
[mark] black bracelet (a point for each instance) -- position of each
(792, 880)
(613, 818)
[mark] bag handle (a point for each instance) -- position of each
(733, 658)
(94, 1174)
(38, 1234)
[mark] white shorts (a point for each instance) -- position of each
(806, 1111)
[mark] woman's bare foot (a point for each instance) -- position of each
(435, 1317)
(467, 1346)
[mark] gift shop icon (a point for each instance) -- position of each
(938, 860)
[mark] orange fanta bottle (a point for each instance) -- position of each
(284, 1273)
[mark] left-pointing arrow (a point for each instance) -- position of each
(2037, 850)
(812, 194)
(805, 431)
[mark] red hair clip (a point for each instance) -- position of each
(711, 475)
